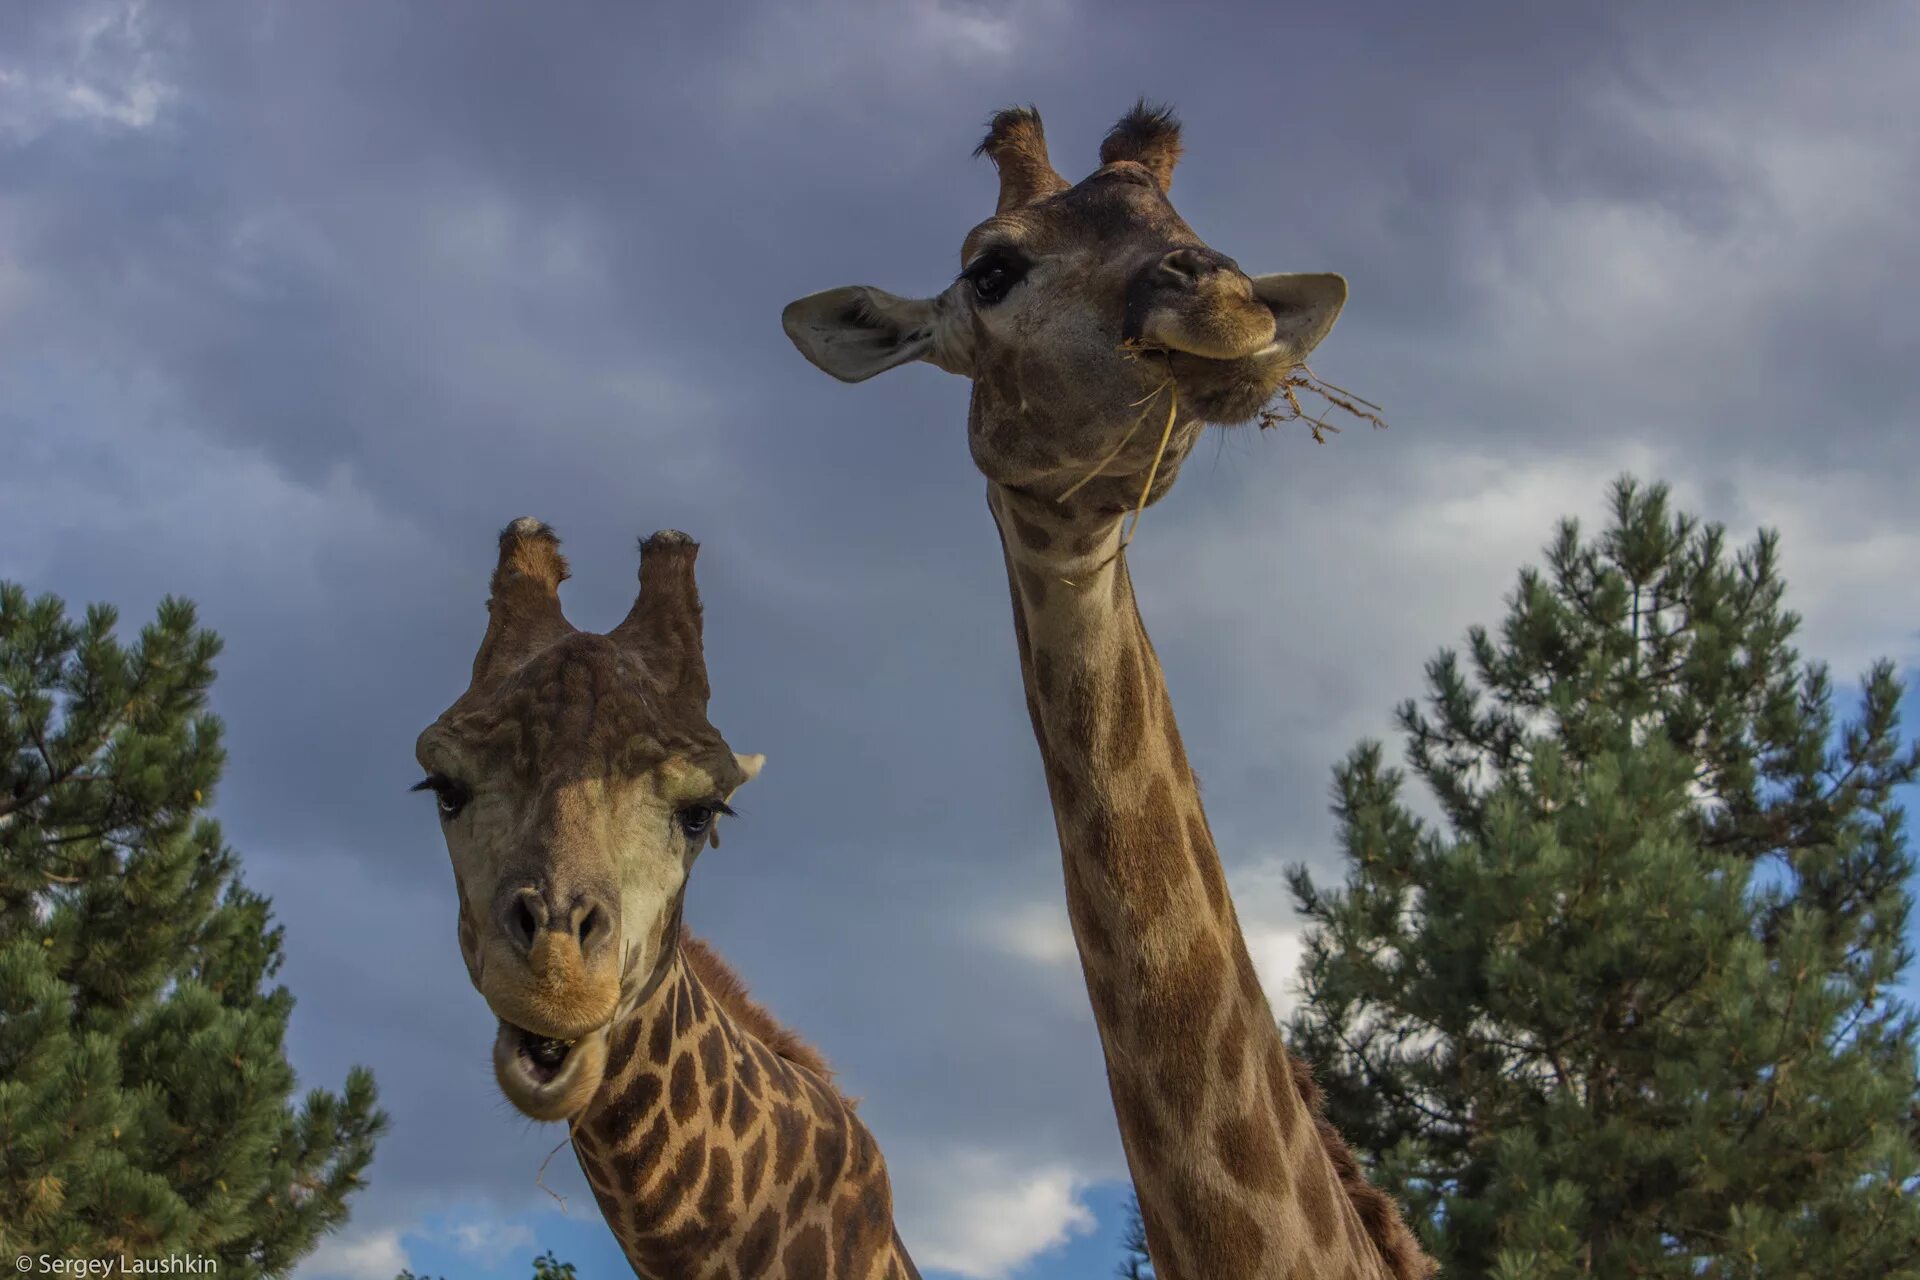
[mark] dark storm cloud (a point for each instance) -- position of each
(301, 303)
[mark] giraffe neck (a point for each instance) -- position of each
(712, 1155)
(1234, 1175)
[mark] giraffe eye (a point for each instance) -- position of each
(696, 820)
(994, 274)
(451, 796)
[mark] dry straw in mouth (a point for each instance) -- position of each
(1337, 397)
(1300, 378)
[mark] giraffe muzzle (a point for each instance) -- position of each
(1199, 303)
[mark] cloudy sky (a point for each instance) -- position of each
(299, 303)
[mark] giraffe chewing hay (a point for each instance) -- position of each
(1062, 292)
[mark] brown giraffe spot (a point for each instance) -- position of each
(1231, 1054)
(609, 1206)
(753, 1167)
(626, 1043)
(1207, 863)
(865, 1153)
(1137, 1118)
(746, 1070)
(829, 1152)
(631, 1168)
(697, 1003)
(1249, 979)
(716, 1198)
(1280, 1086)
(677, 1252)
(713, 1054)
(660, 1043)
(682, 1093)
(1176, 1006)
(1065, 790)
(1149, 870)
(756, 1247)
(744, 1112)
(1178, 750)
(1220, 1239)
(1030, 534)
(1107, 1008)
(1021, 643)
(789, 1140)
(1180, 1089)
(682, 1007)
(624, 1115)
(863, 1222)
(662, 1201)
(1107, 854)
(1033, 587)
(800, 1196)
(806, 1253)
(717, 1102)
(1077, 714)
(1129, 705)
(1248, 1150)
(1093, 934)
(779, 1075)
(1316, 1202)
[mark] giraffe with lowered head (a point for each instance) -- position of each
(1102, 337)
(577, 780)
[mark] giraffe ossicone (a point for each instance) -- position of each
(1076, 304)
(578, 779)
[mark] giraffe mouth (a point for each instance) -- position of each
(540, 1058)
(1233, 391)
(548, 1077)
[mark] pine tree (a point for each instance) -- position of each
(1622, 1008)
(1135, 1262)
(144, 1089)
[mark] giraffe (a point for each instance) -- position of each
(577, 780)
(1101, 337)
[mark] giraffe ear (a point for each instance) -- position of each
(749, 765)
(1304, 308)
(858, 331)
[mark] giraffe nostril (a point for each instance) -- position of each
(522, 917)
(1190, 264)
(591, 925)
(1185, 268)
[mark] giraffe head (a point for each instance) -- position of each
(577, 779)
(1084, 314)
